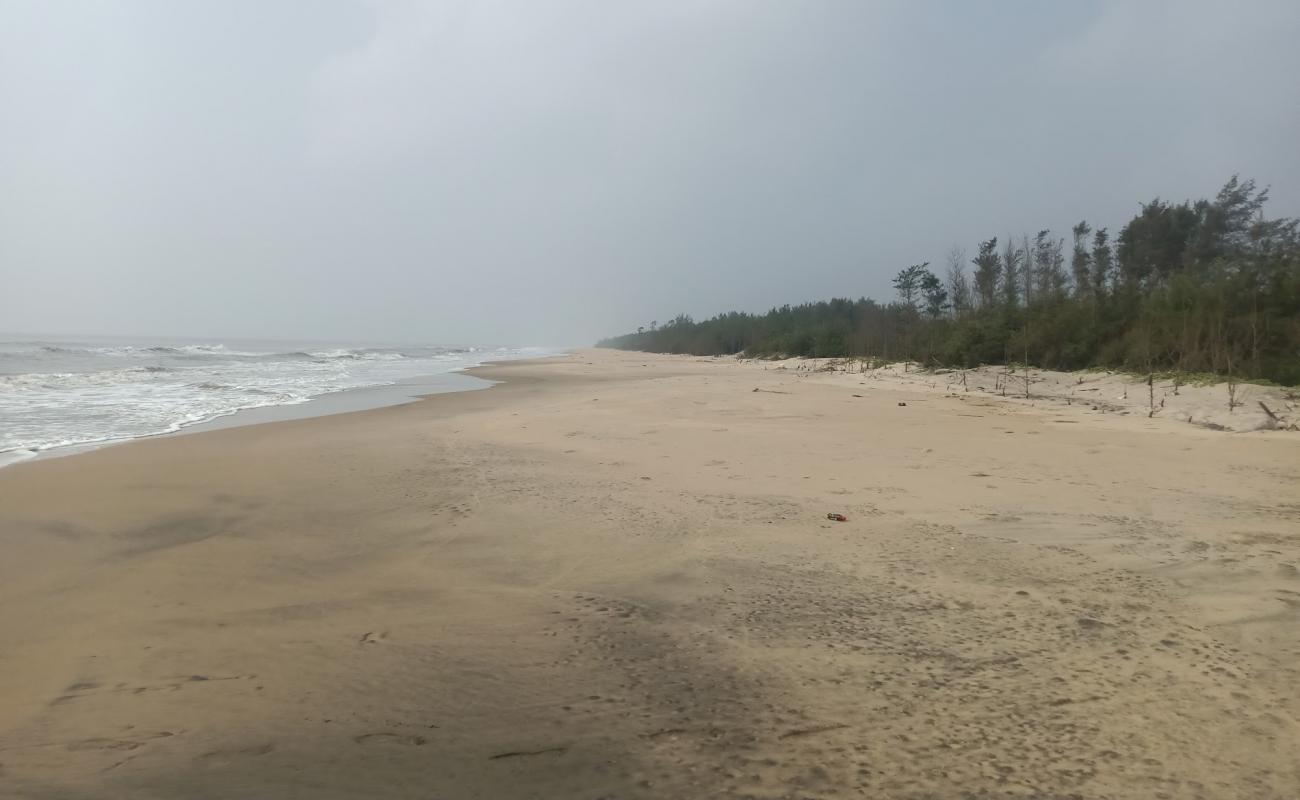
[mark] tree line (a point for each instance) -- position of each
(1210, 286)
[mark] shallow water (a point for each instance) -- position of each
(66, 393)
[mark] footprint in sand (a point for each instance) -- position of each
(389, 738)
(257, 750)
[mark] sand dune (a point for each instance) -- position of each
(612, 575)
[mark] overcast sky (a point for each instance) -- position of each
(539, 172)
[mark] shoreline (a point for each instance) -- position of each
(613, 574)
(1210, 412)
(364, 398)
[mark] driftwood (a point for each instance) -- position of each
(1278, 421)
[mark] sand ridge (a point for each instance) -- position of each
(612, 576)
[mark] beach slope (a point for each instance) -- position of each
(612, 575)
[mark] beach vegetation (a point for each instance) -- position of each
(1205, 287)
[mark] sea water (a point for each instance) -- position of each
(62, 393)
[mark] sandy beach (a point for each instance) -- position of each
(612, 576)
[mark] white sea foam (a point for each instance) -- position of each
(61, 394)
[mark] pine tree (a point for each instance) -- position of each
(908, 283)
(958, 285)
(1012, 259)
(1049, 263)
(988, 268)
(933, 293)
(1081, 262)
(1102, 261)
(1027, 276)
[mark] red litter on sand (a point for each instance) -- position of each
(837, 517)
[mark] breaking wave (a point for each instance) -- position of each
(56, 394)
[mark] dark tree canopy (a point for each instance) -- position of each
(1205, 286)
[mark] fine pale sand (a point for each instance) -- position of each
(612, 576)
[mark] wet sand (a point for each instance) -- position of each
(612, 576)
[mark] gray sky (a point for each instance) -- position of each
(547, 172)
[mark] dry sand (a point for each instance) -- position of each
(613, 576)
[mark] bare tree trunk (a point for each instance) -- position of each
(1232, 388)
(1254, 330)
(1026, 343)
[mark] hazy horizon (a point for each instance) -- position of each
(551, 173)
(83, 337)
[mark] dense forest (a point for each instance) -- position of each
(1209, 286)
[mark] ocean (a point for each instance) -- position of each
(68, 393)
